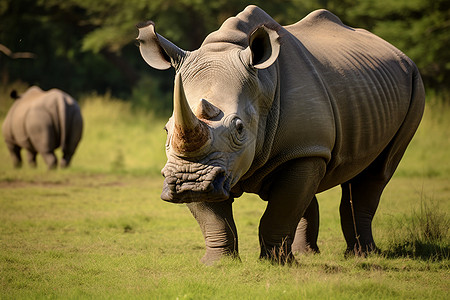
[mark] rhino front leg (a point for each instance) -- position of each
(290, 195)
(218, 228)
(307, 230)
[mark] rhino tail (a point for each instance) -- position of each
(14, 95)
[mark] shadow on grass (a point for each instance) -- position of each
(422, 235)
(418, 250)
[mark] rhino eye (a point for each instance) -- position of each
(239, 126)
(237, 130)
(165, 128)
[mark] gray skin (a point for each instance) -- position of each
(40, 122)
(286, 113)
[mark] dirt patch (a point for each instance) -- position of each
(90, 181)
(17, 183)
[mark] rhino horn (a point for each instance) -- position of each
(206, 110)
(190, 133)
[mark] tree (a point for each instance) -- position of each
(420, 28)
(83, 45)
(55, 37)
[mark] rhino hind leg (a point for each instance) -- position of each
(364, 191)
(50, 159)
(31, 158)
(42, 135)
(366, 188)
(305, 240)
(75, 130)
(14, 152)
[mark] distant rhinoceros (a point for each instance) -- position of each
(40, 122)
(286, 113)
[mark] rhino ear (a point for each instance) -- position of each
(263, 48)
(158, 52)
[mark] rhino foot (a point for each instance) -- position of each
(279, 254)
(362, 250)
(212, 257)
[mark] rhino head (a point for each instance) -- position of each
(220, 96)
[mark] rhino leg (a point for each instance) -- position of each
(290, 194)
(42, 135)
(218, 228)
(14, 151)
(31, 157)
(366, 188)
(50, 159)
(365, 191)
(74, 129)
(365, 194)
(307, 230)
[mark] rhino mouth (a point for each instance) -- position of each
(195, 182)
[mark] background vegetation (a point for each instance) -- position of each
(84, 46)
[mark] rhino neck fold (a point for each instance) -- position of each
(265, 138)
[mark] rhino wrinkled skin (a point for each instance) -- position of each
(284, 112)
(41, 121)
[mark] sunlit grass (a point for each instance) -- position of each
(119, 139)
(428, 154)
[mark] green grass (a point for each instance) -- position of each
(99, 229)
(118, 139)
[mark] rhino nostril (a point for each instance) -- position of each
(219, 181)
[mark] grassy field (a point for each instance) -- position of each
(99, 229)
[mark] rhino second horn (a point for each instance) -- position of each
(206, 110)
(190, 133)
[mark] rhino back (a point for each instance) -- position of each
(368, 83)
(14, 130)
(343, 93)
(235, 30)
(36, 108)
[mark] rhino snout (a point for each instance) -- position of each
(209, 184)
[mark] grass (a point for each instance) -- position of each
(99, 229)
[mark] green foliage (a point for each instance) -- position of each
(83, 46)
(150, 95)
(419, 28)
(421, 234)
(55, 37)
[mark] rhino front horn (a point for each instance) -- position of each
(190, 134)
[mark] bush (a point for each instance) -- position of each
(423, 235)
(150, 95)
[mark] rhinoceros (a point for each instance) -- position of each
(285, 112)
(41, 121)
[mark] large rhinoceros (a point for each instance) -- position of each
(40, 122)
(285, 112)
